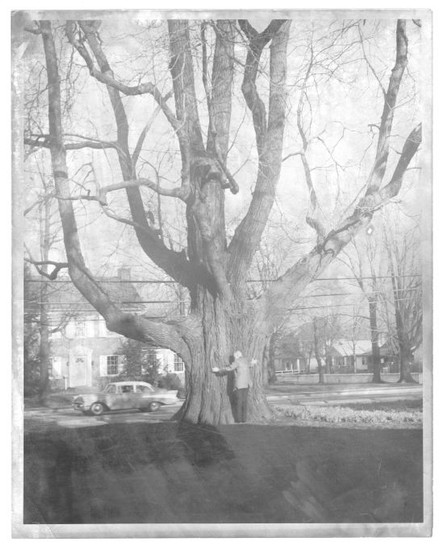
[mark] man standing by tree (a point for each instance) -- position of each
(242, 383)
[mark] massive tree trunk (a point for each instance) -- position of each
(222, 320)
(220, 332)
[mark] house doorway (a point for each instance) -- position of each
(78, 371)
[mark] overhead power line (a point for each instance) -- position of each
(171, 282)
(55, 303)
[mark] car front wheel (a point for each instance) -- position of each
(154, 406)
(97, 409)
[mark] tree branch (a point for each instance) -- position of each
(106, 76)
(173, 263)
(310, 266)
(129, 325)
(90, 143)
(256, 44)
(51, 276)
(390, 97)
(139, 144)
(219, 102)
(313, 214)
(178, 192)
(269, 136)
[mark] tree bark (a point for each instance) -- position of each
(376, 356)
(270, 357)
(217, 335)
(321, 368)
(44, 346)
(405, 355)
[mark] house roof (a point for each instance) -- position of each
(350, 347)
(63, 295)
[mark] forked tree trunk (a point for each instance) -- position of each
(222, 331)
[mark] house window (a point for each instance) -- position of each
(80, 329)
(151, 356)
(178, 364)
(112, 364)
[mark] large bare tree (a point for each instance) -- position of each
(213, 268)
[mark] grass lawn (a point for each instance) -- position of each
(178, 473)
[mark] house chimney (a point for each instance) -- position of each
(124, 273)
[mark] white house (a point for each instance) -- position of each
(83, 351)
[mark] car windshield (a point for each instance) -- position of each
(110, 388)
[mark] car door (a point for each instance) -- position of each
(125, 398)
(145, 395)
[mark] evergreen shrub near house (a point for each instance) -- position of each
(170, 381)
(139, 364)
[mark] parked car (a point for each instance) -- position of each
(124, 395)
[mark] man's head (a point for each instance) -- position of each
(237, 354)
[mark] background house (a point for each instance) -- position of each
(288, 355)
(83, 351)
(355, 356)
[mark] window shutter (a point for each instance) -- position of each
(121, 363)
(103, 365)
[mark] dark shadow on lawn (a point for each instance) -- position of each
(181, 473)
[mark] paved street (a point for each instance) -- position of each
(281, 394)
(44, 418)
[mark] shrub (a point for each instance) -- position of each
(170, 381)
(345, 414)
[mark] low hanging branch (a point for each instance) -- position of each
(58, 266)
